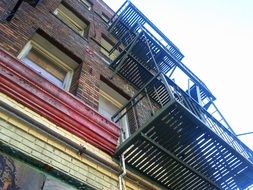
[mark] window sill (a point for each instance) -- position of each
(103, 56)
(104, 22)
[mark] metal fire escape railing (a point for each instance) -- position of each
(155, 90)
(178, 136)
(128, 26)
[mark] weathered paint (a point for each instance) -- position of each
(60, 107)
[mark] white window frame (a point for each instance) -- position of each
(77, 24)
(49, 53)
(117, 100)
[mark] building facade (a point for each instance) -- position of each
(92, 99)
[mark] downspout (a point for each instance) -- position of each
(122, 175)
(123, 165)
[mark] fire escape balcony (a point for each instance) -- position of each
(182, 146)
(180, 143)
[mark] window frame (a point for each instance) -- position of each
(75, 21)
(105, 18)
(87, 4)
(105, 51)
(117, 100)
(32, 44)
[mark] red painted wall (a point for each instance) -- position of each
(60, 107)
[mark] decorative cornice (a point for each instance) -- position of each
(65, 110)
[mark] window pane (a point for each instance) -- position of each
(45, 67)
(106, 44)
(107, 108)
(105, 17)
(106, 47)
(48, 60)
(47, 64)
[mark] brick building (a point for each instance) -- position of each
(92, 99)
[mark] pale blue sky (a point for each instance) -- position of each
(216, 37)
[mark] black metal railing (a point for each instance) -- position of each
(210, 121)
(183, 122)
(156, 96)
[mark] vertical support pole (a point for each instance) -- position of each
(188, 87)
(122, 185)
(172, 71)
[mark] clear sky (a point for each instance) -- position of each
(216, 37)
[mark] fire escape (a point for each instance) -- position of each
(185, 143)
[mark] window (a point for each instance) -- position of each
(110, 101)
(73, 21)
(47, 60)
(87, 4)
(106, 46)
(105, 17)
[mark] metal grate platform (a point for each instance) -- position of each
(186, 144)
(136, 63)
(179, 151)
(140, 53)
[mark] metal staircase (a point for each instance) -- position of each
(183, 142)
